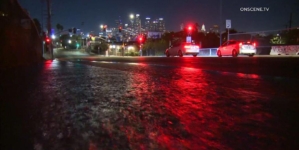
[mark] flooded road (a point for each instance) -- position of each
(95, 105)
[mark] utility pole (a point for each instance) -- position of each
(220, 11)
(49, 26)
(82, 24)
(42, 27)
(42, 15)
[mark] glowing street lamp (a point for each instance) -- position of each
(132, 16)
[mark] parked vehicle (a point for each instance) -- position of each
(182, 48)
(235, 48)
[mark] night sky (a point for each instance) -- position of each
(71, 13)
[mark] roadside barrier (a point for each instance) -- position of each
(285, 50)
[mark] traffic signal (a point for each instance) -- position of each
(47, 40)
(119, 29)
(140, 39)
(189, 29)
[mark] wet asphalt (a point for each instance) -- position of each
(95, 104)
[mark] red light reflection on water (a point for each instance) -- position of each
(52, 64)
(164, 108)
(48, 64)
(251, 76)
(173, 112)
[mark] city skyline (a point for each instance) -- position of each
(93, 13)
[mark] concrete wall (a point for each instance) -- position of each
(285, 50)
(20, 43)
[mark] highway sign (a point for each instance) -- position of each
(228, 24)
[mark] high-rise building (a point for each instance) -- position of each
(157, 25)
(147, 24)
(203, 28)
(131, 24)
(137, 24)
(161, 25)
(118, 22)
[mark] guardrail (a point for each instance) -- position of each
(208, 51)
(285, 50)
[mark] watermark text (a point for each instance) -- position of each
(255, 9)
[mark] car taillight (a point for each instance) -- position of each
(240, 44)
(186, 46)
(254, 44)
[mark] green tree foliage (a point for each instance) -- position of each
(278, 39)
(76, 41)
(168, 36)
(100, 48)
(158, 46)
(286, 37)
(224, 35)
(64, 40)
(155, 46)
(210, 39)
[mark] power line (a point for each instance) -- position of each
(265, 31)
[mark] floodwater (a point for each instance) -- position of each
(136, 106)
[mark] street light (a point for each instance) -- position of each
(132, 16)
(53, 36)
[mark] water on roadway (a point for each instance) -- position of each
(95, 105)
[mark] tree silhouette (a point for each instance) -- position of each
(59, 27)
(196, 26)
(224, 35)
